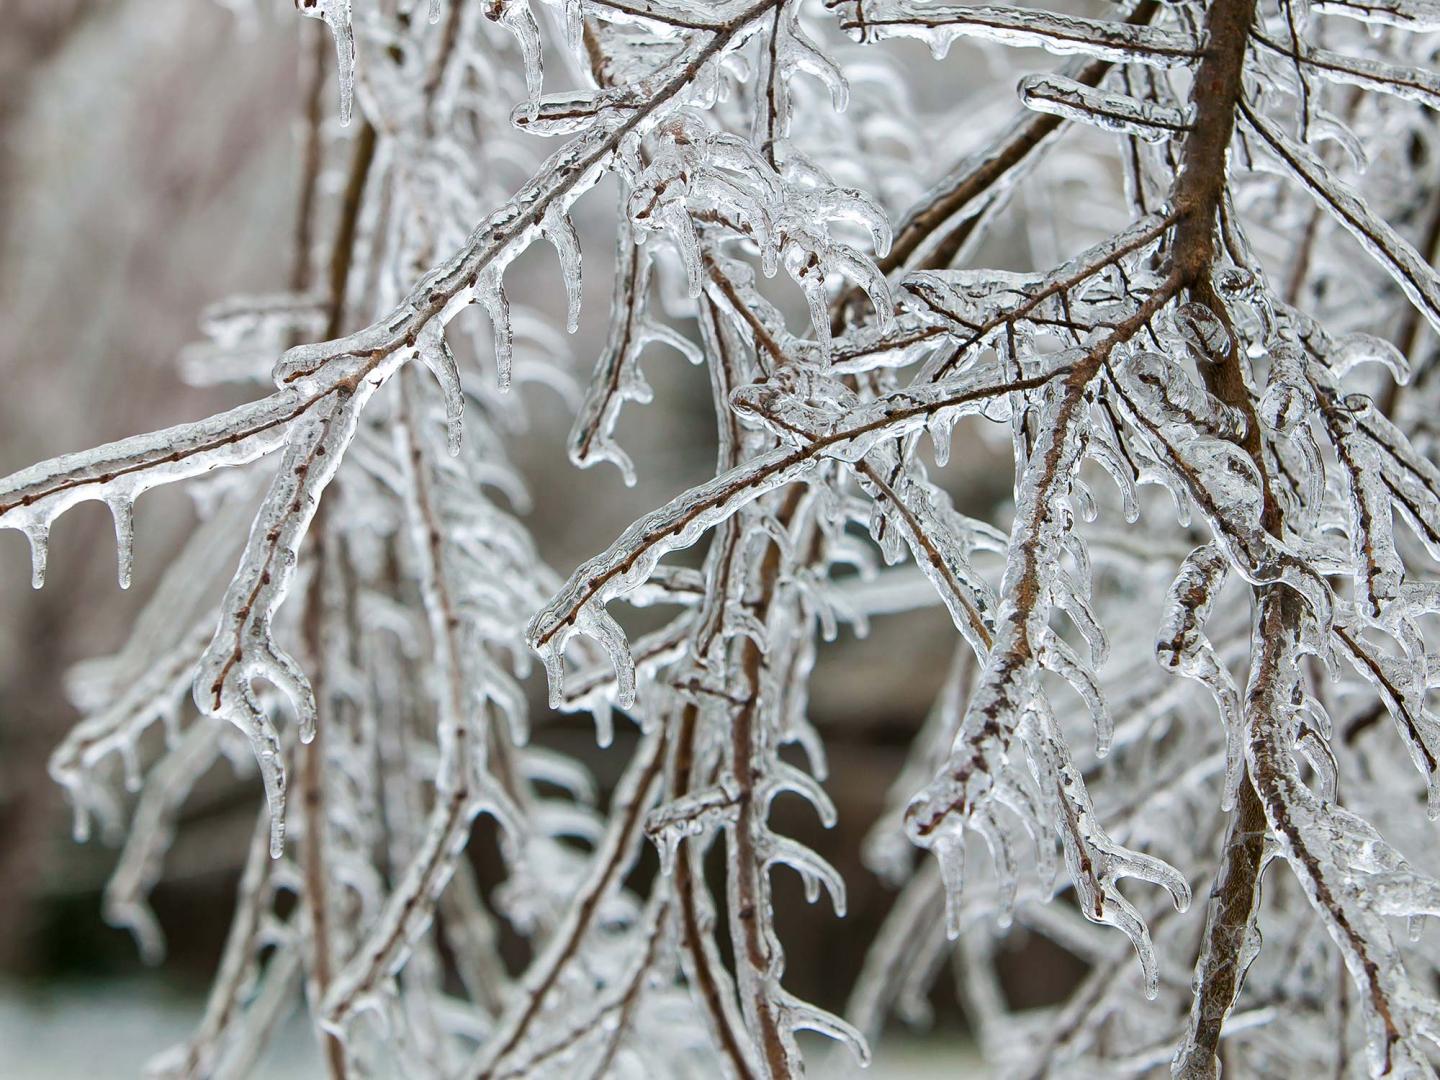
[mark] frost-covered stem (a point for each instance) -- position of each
(264, 1012)
(707, 976)
(915, 913)
(746, 887)
(1235, 898)
(343, 253)
(471, 932)
(301, 270)
(314, 868)
(930, 548)
(1231, 937)
(1082, 1015)
(1058, 287)
(994, 708)
(569, 172)
(773, 80)
(939, 815)
(441, 66)
(444, 611)
(1305, 250)
(1407, 336)
(614, 1014)
(1410, 324)
(748, 899)
(1342, 1008)
(1280, 790)
(315, 871)
(670, 526)
(695, 906)
(1215, 94)
(616, 1029)
(457, 798)
(152, 832)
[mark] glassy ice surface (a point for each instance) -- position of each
(1109, 341)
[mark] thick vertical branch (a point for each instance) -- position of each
(343, 253)
(1199, 194)
(315, 870)
(315, 873)
(1200, 188)
(749, 893)
(693, 911)
(301, 270)
(1231, 939)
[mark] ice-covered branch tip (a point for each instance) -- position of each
(118, 473)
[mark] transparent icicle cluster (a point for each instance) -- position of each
(1195, 652)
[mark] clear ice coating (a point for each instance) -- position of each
(336, 15)
(1197, 256)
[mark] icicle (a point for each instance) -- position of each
(560, 231)
(574, 24)
(1096, 862)
(1288, 400)
(1084, 500)
(123, 512)
(80, 823)
(130, 760)
(806, 271)
(1182, 647)
(38, 533)
(491, 293)
(1065, 594)
(802, 1015)
(948, 845)
(786, 777)
(814, 871)
(515, 16)
(940, 429)
(1061, 659)
(595, 622)
(336, 15)
(687, 245)
(1007, 883)
(1353, 349)
(436, 355)
(604, 717)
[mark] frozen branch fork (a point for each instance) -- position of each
(1203, 328)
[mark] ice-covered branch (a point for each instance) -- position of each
(938, 25)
